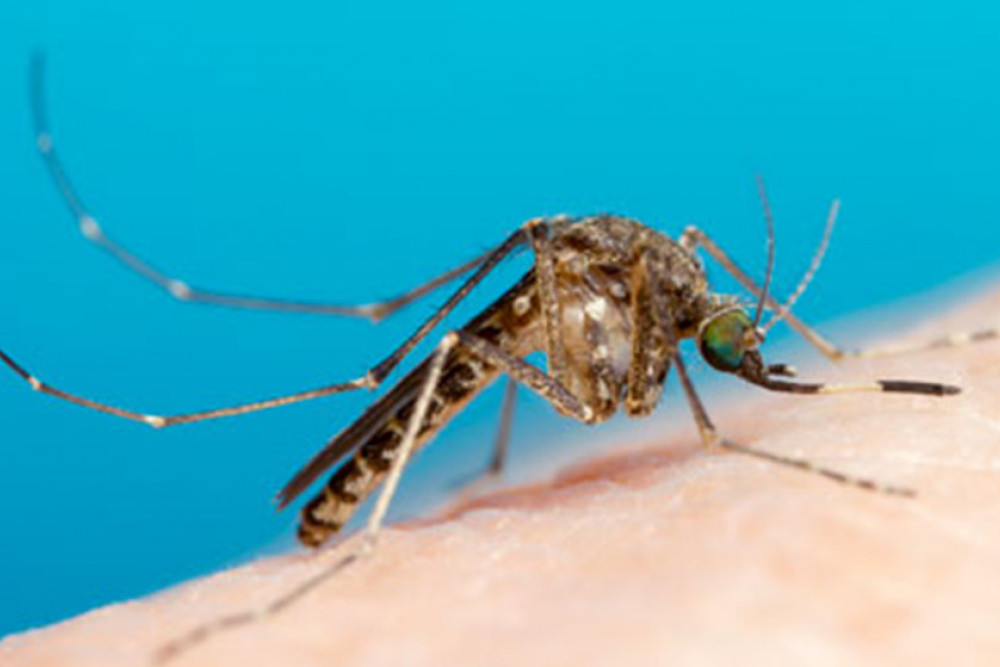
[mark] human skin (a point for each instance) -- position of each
(657, 553)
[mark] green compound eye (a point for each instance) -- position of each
(724, 340)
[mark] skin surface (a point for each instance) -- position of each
(656, 553)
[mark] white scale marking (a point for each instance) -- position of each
(179, 289)
(521, 305)
(90, 229)
(596, 308)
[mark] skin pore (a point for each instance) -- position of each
(656, 553)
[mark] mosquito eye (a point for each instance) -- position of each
(724, 340)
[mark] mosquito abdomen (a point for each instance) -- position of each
(508, 323)
(462, 378)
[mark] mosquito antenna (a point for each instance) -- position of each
(831, 220)
(770, 250)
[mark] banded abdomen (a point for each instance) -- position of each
(375, 438)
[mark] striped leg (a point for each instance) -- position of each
(555, 347)
(959, 339)
(651, 348)
(179, 289)
(372, 379)
(501, 444)
(711, 438)
(478, 482)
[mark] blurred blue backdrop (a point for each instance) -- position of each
(345, 151)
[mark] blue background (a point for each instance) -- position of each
(345, 151)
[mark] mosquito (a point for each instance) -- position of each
(607, 299)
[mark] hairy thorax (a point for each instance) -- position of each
(595, 267)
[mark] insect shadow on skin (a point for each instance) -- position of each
(608, 301)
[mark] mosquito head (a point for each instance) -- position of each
(726, 338)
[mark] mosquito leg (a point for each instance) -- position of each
(555, 348)
(160, 421)
(651, 350)
(409, 441)
(175, 287)
(379, 310)
(959, 339)
(372, 379)
(476, 483)
(501, 444)
(545, 385)
(711, 438)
